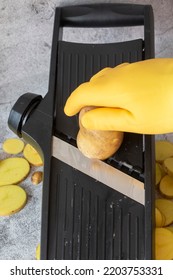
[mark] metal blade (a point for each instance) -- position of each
(99, 170)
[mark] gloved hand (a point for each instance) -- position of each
(132, 97)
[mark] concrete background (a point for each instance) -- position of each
(25, 45)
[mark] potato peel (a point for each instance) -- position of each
(97, 144)
(37, 177)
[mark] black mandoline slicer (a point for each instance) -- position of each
(91, 209)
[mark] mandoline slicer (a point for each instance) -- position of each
(91, 209)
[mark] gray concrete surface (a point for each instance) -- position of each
(25, 44)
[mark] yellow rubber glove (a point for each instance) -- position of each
(132, 97)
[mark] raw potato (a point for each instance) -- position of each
(166, 186)
(37, 254)
(13, 170)
(168, 166)
(166, 208)
(163, 244)
(163, 150)
(97, 144)
(37, 177)
(163, 172)
(170, 228)
(32, 155)
(159, 218)
(158, 174)
(13, 146)
(12, 199)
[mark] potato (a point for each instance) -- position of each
(163, 172)
(37, 253)
(13, 170)
(37, 177)
(163, 205)
(163, 150)
(166, 208)
(168, 166)
(158, 174)
(163, 244)
(166, 186)
(82, 112)
(170, 228)
(32, 155)
(95, 143)
(13, 146)
(159, 218)
(12, 199)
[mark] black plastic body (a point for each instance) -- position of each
(82, 218)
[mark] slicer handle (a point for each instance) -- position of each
(104, 15)
(22, 110)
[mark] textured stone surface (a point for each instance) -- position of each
(26, 32)
(20, 233)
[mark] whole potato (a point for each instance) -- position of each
(97, 144)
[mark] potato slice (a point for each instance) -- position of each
(12, 199)
(13, 170)
(163, 172)
(159, 218)
(166, 208)
(163, 244)
(32, 155)
(163, 150)
(158, 174)
(168, 166)
(13, 146)
(170, 228)
(37, 254)
(166, 186)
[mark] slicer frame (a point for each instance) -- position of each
(82, 216)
